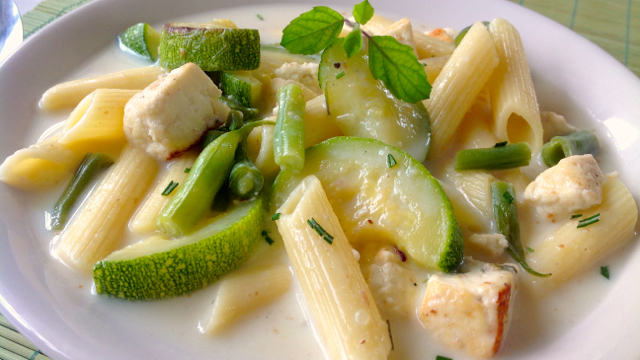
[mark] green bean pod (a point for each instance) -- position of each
(210, 136)
(235, 120)
(90, 166)
(577, 143)
(245, 180)
(501, 157)
(248, 113)
(288, 138)
(505, 211)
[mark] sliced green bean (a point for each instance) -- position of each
(235, 120)
(505, 211)
(501, 157)
(288, 137)
(577, 143)
(245, 180)
(248, 113)
(464, 32)
(90, 166)
(210, 136)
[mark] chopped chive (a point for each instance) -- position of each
(187, 170)
(275, 216)
(340, 74)
(439, 357)
(169, 189)
(589, 221)
(576, 216)
(500, 144)
(507, 197)
(391, 161)
(530, 249)
(322, 232)
(259, 17)
(390, 336)
(268, 240)
(264, 232)
(590, 218)
(604, 270)
(424, 64)
(328, 238)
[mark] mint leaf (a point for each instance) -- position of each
(353, 42)
(398, 68)
(312, 31)
(363, 12)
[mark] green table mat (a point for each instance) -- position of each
(612, 24)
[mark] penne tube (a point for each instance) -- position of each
(341, 305)
(433, 66)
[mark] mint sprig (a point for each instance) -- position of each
(390, 61)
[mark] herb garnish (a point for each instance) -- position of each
(187, 170)
(500, 144)
(266, 237)
(172, 186)
(391, 161)
(604, 270)
(390, 336)
(439, 357)
(576, 216)
(390, 61)
(275, 216)
(322, 232)
(588, 221)
(530, 249)
(340, 74)
(507, 196)
(259, 17)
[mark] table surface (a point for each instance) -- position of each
(614, 25)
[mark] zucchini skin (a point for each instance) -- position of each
(210, 49)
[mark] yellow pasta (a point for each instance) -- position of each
(459, 84)
(341, 304)
(318, 125)
(475, 185)
(513, 97)
(260, 150)
(433, 66)
(69, 94)
(98, 227)
(144, 220)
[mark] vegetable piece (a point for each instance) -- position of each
(505, 211)
(244, 88)
(497, 157)
(158, 268)
(604, 271)
(209, 137)
(247, 113)
(577, 143)
(312, 31)
(235, 120)
(141, 40)
(403, 203)
(362, 106)
(98, 227)
(245, 180)
(70, 94)
(464, 32)
(288, 140)
(90, 166)
(210, 46)
(330, 277)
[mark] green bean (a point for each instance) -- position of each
(577, 143)
(464, 32)
(501, 157)
(248, 113)
(288, 138)
(245, 180)
(505, 211)
(209, 172)
(222, 199)
(234, 120)
(210, 136)
(91, 164)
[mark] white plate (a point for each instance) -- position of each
(572, 76)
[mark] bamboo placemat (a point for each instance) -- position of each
(612, 24)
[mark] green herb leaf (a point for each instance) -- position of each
(353, 42)
(363, 12)
(576, 216)
(259, 17)
(604, 270)
(187, 170)
(391, 161)
(530, 249)
(275, 216)
(439, 357)
(500, 144)
(398, 68)
(312, 31)
(339, 75)
(169, 189)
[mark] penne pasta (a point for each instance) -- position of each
(340, 302)
(458, 85)
(475, 185)
(513, 97)
(97, 229)
(433, 66)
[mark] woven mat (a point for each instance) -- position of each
(612, 24)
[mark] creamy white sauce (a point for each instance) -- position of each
(282, 330)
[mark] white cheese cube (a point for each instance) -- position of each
(493, 244)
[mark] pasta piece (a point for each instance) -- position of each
(474, 131)
(101, 120)
(459, 84)
(69, 94)
(433, 66)
(260, 150)
(569, 250)
(513, 98)
(318, 126)
(246, 291)
(345, 313)
(144, 220)
(426, 46)
(96, 230)
(475, 185)
(516, 178)
(471, 220)
(44, 164)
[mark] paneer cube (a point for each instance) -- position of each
(173, 113)
(392, 284)
(574, 184)
(492, 244)
(470, 311)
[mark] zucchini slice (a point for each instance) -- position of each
(141, 40)
(244, 88)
